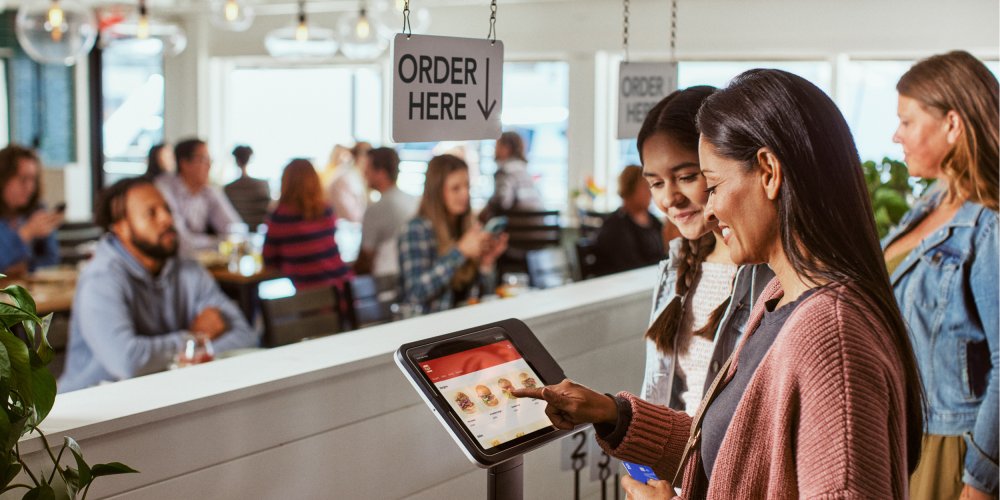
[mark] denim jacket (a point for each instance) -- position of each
(663, 384)
(947, 289)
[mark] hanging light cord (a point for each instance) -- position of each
(302, 12)
(673, 30)
(406, 19)
(492, 36)
(625, 28)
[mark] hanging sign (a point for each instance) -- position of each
(446, 88)
(640, 87)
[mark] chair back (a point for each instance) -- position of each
(371, 298)
(76, 241)
(586, 258)
(591, 222)
(530, 230)
(549, 267)
(307, 314)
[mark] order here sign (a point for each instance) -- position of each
(446, 88)
(640, 87)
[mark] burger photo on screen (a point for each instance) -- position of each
(487, 396)
(527, 382)
(465, 403)
(506, 388)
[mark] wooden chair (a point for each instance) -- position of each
(307, 314)
(370, 298)
(549, 267)
(73, 238)
(528, 230)
(586, 258)
(591, 222)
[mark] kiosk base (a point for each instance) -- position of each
(505, 481)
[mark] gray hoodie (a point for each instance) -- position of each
(127, 322)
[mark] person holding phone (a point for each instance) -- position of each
(27, 231)
(943, 262)
(822, 397)
(443, 253)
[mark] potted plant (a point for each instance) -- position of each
(27, 391)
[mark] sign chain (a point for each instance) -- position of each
(406, 19)
(492, 36)
(673, 30)
(625, 29)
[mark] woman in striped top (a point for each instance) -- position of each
(300, 232)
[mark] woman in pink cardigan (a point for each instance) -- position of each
(822, 397)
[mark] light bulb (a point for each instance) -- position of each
(142, 28)
(232, 10)
(302, 32)
(56, 20)
(363, 29)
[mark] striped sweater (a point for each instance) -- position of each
(823, 416)
(305, 250)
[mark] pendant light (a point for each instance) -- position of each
(232, 15)
(301, 40)
(56, 32)
(360, 36)
(144, 35)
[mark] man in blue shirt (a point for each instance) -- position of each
(136, 300)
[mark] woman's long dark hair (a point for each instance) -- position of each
(674, 117)
(825, 216)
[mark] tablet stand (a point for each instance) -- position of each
(505, 481)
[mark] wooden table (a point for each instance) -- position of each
(243, 287)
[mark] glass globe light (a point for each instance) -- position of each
(232, 15)
(145, 35)
(390, 15)
(360, 36)
(57, 32)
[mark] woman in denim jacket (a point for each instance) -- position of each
(943, 263)
(694, 325)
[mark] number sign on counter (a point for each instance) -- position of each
(640, 87)
(446, 88)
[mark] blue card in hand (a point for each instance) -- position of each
(638, 472)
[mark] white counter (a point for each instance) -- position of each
(333, 417)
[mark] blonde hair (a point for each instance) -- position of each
(447, 230)
(959, 82)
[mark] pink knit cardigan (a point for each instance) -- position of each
(823, 417)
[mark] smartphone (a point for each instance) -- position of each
(60, 207)
(641, 473)
(496, 225)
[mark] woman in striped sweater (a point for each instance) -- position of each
(300, 232)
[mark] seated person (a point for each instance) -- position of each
(631, 237)
(444, 255)
(27, 231)
(301, 231)
(201, 212)
(385, 220)
(250, 197)
(513, 187)
(136, 300)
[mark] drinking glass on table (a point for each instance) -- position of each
(513, 284)
(195, 349)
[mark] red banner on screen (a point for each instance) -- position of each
(473, 360)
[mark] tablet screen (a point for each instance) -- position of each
(475, 374)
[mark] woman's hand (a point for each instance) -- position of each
(654, 489)
(471, 242)
(493, 248)
(571, 404)
(39, 224)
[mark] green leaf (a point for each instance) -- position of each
(43, 386)
(112, 468)
(40, 492)
(12, 471)
(45, 351)
(17, 429)
(82, 468)
(72, 479)
(11, 315)
(21, 297)
(20, 364)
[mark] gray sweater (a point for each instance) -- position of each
(127, 322)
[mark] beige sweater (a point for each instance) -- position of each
(823, 417)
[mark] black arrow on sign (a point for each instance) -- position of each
(487, 111)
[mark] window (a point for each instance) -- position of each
(133, 110)
(297, 112)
